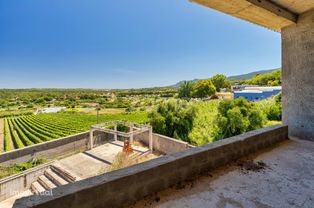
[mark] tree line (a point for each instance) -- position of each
(204, 88)
(213, 120)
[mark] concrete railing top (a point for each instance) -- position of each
(42, 143)
(128, 184)
(12, 177)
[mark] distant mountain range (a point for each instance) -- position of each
(237, 77)
(250, 75)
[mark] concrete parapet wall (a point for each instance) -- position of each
(118, 188)
(163, 144)
(17, 184)
(54, 148)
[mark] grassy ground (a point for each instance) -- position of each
(6, 171)
(93, 111)
(34, 129)
(10, 113)
(272, 123)
(83, 121)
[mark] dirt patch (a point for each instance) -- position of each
(251, 166)
(189, 183)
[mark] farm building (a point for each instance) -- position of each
(241, 87)
(225, 95)
(257, 93)
(51, 110)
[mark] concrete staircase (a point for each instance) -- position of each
(136, 154)
(53, 177)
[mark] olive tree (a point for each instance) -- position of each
(220, 81)
(203, 88)
(236, 117)
(173, 118)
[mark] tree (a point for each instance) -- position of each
(40, 100)
(269, 79)
(274, 109)
(203, 88)
(173, 118)
(237, 117)
(220, 81)
(203, 123)
(185, 90)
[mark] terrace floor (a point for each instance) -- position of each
(96, 161)
(280, 177)
(89, 163)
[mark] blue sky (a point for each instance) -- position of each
(125, 44)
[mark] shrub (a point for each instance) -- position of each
(220, 81)
(203, 123)
(237, 117)
(203, 88)
(173, 118)
(185, 90)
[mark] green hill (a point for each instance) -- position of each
(250, 75)
(236, 77)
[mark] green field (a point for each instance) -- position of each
(33, 129)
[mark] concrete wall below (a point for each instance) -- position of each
(54, 148)
(127, 185)
(18, 183)
(298, 77)
(80, 142)
(163, 144)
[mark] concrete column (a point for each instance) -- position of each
(151, 139)
(132, 136)
(298, 77)
(116, 134)
(91, 139)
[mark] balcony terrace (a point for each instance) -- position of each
(282, 176)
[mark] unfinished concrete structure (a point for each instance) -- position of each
(295, 21)
(134, 129)
(74, 159)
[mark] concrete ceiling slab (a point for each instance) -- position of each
(272, 14)
(296, 6)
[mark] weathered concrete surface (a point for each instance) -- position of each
(79, 143)
(298, 7)
(81, 166)
(298, 77)
(9, 202)
(130, 184)
(54, 148)
(271, 14)
(1, 135)
(287, 181)
(21, 182)
(163, 144)
(94, 162)
(245, 10)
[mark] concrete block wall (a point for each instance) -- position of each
(124, 186)
(168, 145)
(163, 144)
(17, 184)
(54, 148)
(298, 77)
